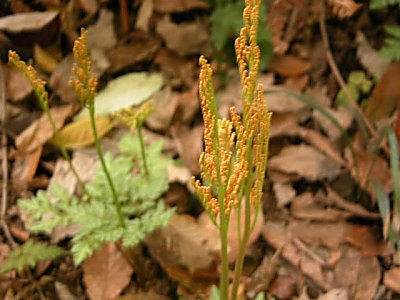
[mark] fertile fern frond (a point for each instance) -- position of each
(29, 254)
(392, 43)
(377, 4)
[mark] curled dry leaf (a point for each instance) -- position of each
(27, 22)
(106, 273)
(344, 8)
(40, 131)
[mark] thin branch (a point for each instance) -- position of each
(336, 73)
(4, 161)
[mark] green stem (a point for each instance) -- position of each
(104, 166)
(242, 249)
(63, 150)
(224, 278)
(142, 149)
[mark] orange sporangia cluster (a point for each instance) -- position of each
(235, 152)
(38, 85)
(84, 82)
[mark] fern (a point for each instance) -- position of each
(29, 254)
(377, 4)
(392, 44)
(96, 219)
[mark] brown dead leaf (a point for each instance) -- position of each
(368, 241)
(18, 87)
(385, 95)
(106, 273)
(283, 287)
(40, 131)
(370, 167)
(283, 124)
(90, 6)
(144, 14)
(174, 65)
(355, 209)
(391, 279)
(188, 105)
(359, 274)
(165, 105)
(341, 115)
(59, 80)
(284, 193)
(101, 38)
(305, 161)
(176, 6)
(179, 37)
(344, 8)
(288, 65)
(150, 295)
(138, 48)
(335, 294)
(369, 57)
(186, 251)
(305, 206)
(27, 22)
(189, 143)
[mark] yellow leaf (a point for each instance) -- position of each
(79, 134)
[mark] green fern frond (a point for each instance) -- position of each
(377, 4)
(96, 219)
(392, 43)
(29, 254)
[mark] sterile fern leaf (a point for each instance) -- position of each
(29, 254)
(392, 44)
(377, 4)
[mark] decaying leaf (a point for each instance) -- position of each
(40, 131)
(288, 65)
(305, 161)
(18, 87)
(391, 279)
(106, 273)
(59, 80)
(174, 6)
(45, 60)
(25, 22)
(179, 37)
(344, 8)
(24, 169)
(79, 133)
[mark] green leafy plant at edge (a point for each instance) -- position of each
(117, 206)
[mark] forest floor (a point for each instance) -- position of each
(321, 234)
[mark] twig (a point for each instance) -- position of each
(4, 161)
(123, 8)
(338, 76)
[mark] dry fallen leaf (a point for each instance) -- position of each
(391, 279)
(18, 87)
(44, 59)
(176, 6)
(27, 22)
(369, 57)
(40, 131)
(59, 80)
(186, 251)
(165, 104)
(144, 14)
(179, 37)
(344, 8)
(305, 161)
(189, 143)
(288, 65)
(79, 133)
(106, 273)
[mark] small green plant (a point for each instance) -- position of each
(377, 4)
(118, 206)
(29, 254)
(235, 157)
